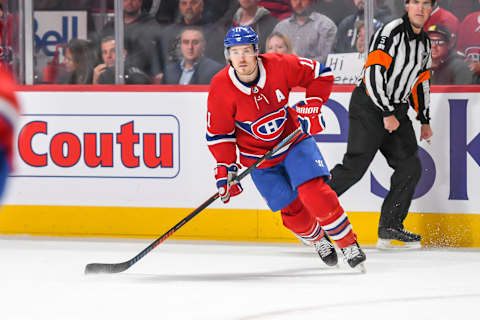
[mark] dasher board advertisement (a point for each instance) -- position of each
(148, 149)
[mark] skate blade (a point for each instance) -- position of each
(307, 243)
(344, 269)
(361, 268)
(384, 244)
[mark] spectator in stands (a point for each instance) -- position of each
(141, 32)
(259, 18)
(382, 12)
(468, 43)
(279, 43)
(397, 7)
(336, 10)
(47, 4)
(227, 16)
(442, 16)
(217, 9)
(461, 8)
(360, 44)
(166, 11)
(191, 14)
(194, 67)
(280, 9)
(132, 12)
(312, 34)
(347, 34)
(79, 62)
(104, 73)
(448, 67)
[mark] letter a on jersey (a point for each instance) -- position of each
(280, 95)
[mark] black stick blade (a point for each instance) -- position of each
(96, 268)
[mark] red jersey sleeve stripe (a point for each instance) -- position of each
(213, 139)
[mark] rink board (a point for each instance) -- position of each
(132, 163)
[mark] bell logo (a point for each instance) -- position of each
(51, 28)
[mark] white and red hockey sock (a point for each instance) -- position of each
(319, 199)
(297, 218)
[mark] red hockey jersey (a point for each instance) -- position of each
(445, 17)
(257, 118)
(469, 37)
(9, 113)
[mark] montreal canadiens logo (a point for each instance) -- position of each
(271, 126)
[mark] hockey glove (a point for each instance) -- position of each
(309, 115)
(224, 175)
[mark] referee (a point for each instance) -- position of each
(396, 72)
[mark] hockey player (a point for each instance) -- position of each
(9, 112)
(248, 109)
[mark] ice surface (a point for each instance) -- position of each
(42, 278)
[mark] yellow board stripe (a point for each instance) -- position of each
(458, 230)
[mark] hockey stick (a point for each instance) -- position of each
(122, 266)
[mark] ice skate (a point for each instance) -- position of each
(326, 251)
(355, 256)
(407, 239)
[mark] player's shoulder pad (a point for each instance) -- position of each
(272, 58)
(220, 78)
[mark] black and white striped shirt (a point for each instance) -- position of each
(398, 68)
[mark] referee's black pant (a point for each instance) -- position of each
(366, 136)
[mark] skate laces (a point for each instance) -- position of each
(408, 232)
(351, 251)
(323, 247)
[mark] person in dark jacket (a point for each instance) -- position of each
(347, 33)
(104, 73)
(259, 18)
(448, 67)
(142, 32)
(192, 13)
(167, 11)
(337, 10)
(193, 67)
